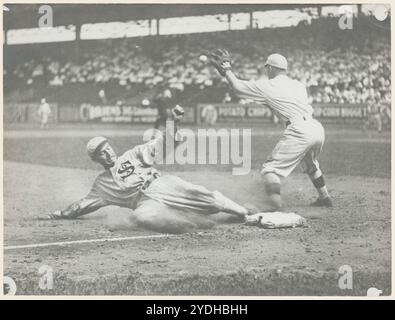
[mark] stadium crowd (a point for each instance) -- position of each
(337, 66)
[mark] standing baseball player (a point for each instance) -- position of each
(303, 136)
(162, 103)
(44, 112)
(131, 181)
(373, 113)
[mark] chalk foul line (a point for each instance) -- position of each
(65, 243)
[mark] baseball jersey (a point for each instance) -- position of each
(44, 109)
(121, 184)
(285, 96)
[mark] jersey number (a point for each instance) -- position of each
(126, 169)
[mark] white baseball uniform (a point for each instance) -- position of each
(303, 137)
(133, 183)
(44, 111)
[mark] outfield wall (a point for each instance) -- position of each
(254, 113)
(216, 113)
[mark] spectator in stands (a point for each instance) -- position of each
(339, 69)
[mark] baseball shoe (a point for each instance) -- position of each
(325, 202)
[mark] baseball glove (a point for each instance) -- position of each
(220, 59)
(177, 113)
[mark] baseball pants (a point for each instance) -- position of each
(174, 192)
(301, 142)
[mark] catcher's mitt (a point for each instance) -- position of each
(220, 58)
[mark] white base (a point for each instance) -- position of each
(277, 219)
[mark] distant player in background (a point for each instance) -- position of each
(102, 96)
(373, 115)
(44, 112)
(303, 136)
(163, 103)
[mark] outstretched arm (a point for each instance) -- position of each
(240, 87)
(79, 208)
(149, 152)
(244, 89)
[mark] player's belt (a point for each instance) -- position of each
(288, 122)
(148, 182)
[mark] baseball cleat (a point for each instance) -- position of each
(325, 202)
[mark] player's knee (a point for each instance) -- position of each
(163, 221)
(272, 183)
(149, 222)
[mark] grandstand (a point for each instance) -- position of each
(338, 66)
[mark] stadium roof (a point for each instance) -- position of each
(27, 15)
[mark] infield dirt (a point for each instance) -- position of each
(44, 173)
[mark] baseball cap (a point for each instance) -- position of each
(277, 60)
(93, 144)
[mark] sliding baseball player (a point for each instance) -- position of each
(131, 181)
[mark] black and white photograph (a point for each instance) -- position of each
(210, 150)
